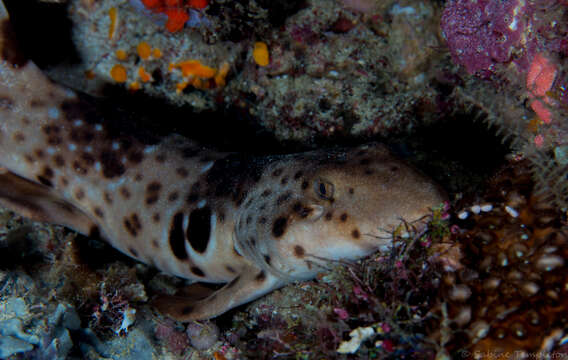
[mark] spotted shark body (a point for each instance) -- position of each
(254, 223)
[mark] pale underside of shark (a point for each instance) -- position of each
(253, 223)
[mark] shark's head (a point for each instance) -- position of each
(329, 206)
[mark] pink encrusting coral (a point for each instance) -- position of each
(540, 78)
(483, 33)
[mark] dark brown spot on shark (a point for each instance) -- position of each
(176, 237)
(79, 194)
(284, 180)
(19, 137)
(152, 199)
(197, 271)
(125, 192)
(48, 172)
(173, 196)
(6, 103)
(51, 129)
(64, 181)
(279, 226)
(262, 220)
(343, 217)
(81, 136)
(156, 217)
(29, 159)
(155, 244)
(154, 186)
(283, 198)
(182, 172)
(305, 185)
(252, 240)
(230, 269)
(351, 191)
(54, 140)
(87, 158)
(112, 167)
(59, 161)
(232, 175)
(132, 224)
(267, 259)
(138, 177)
(277, 172)
(261, 276)
(135, 157)
(299, 251)
(108, 197)
(79, 168)
(39, 153)
(199, 229)
(98, 212)
(356, 234)
(266, 192)
(328, 216)
(298, 174)
(36, 103)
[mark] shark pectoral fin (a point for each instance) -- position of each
(38, 202)
(188, 294)
(252, 283)
(197, 291)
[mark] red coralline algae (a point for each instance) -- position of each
(483, 33)
(176, 19)
(175, 10)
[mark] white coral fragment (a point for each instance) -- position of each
(357, 337)
(129, 317)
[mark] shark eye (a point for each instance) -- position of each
(324, 189)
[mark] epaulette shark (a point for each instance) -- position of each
(253, 223)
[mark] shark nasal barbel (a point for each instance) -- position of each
(254, 223)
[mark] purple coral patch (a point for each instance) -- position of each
(483, 33)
